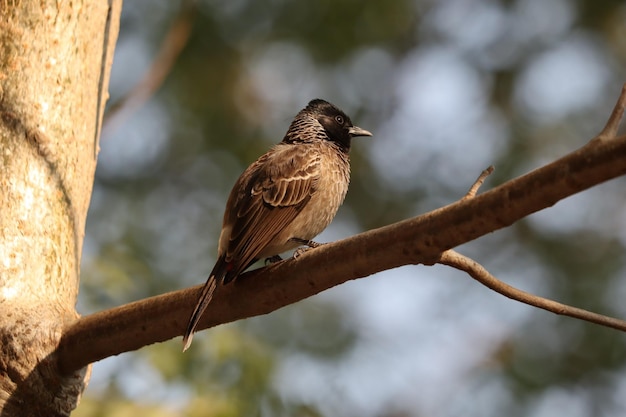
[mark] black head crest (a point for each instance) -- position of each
(321, 120)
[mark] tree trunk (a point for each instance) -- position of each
(55, 59)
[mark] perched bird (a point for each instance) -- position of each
(285, 198)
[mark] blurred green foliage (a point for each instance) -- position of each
(447, 87)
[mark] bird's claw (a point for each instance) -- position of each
(273, 259)
(306, 242)
(299, 252)
(307, 245)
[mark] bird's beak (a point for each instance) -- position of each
(357, 131)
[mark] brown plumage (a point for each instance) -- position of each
(288, 195)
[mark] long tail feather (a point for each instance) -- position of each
(203, 302)
(217, 275)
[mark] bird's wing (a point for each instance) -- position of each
(272, 192)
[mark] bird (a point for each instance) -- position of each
(285, 198)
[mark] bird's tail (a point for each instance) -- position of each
(217, 275)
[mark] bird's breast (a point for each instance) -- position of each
(316, 215)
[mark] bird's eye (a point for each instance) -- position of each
(339, 119)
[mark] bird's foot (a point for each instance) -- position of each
(305, 242)
(273, 259)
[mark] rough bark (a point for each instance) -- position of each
(54, 66)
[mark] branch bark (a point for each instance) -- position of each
(418, 240)
(480, 274)
(54, 70)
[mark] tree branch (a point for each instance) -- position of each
(174, 42)
(480, 274)
(471, 193)
(615, 119)
(417, 240)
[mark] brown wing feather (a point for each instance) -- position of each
(273, 191)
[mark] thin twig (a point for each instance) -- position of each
(479, 181)
(173, 44)
(615, 119)
(480, 274)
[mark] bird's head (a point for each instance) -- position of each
(322, 120)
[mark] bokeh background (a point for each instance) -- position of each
(448, 87)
